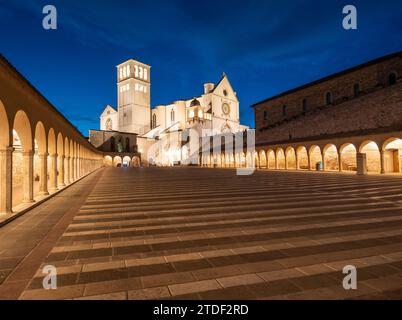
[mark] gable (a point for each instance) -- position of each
(224, 85)
(108, 109)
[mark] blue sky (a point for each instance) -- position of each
(265, 47)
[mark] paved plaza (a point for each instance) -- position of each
(197, 233)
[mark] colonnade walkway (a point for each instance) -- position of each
(200, 233)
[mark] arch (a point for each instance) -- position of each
(331, 158)
(66, 147)
(109, 124)
(51, 142)
(302, 158)
(22, 160)
(290, 158)
(348, 155)
(108, 161)
(40, 137)
(60, 145)
(4, 128)
(315, 156)
(263, 159)
(40, 160)
(154, 121)
(373, 156)
(117, 161)
(23, 128)
(392, 155)
(172, 116)
(280, 159)
(271, 159)
(126, 161)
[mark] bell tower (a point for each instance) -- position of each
(134, 97)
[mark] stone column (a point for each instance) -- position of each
(324, 167)
(43, 174)
(297, 160)
(361, 160)
(71, 170)
(276, 161)
(309, 161)
(61, 173)
(6, 176)
(340, 162)
(382, 160)
(286, 161)
(67, 170)
(53, 173)
(28, 179)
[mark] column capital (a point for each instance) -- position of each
(53, 155)
(6, 150)
(43, 154)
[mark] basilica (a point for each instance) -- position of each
(130, 132)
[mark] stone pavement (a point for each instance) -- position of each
(197, 233)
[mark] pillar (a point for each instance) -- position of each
(361, 160)
(286, 161)
(61, 172)
(324, 167)
(382, 160)
(276, 161)
(297, 160)
(53, 173)
(340, 162)
(71, 170)
(308, 160)
(28, 179)
(6, 176)
(67, 170)
(43, 191)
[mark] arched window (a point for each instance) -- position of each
(392, 79)
(285, 110)
(154, 121)
(109, 124)
(172, 116)
(136, 71)
(265, 115)
(112, 144)
(140, 73)
(127, 144)
(305, 107)
(145, 74)
(328, 98)
(356, 90)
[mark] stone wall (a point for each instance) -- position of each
(377, 104)
(380, 109)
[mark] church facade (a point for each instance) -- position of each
(213, 112)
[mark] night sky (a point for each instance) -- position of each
(265, 47)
